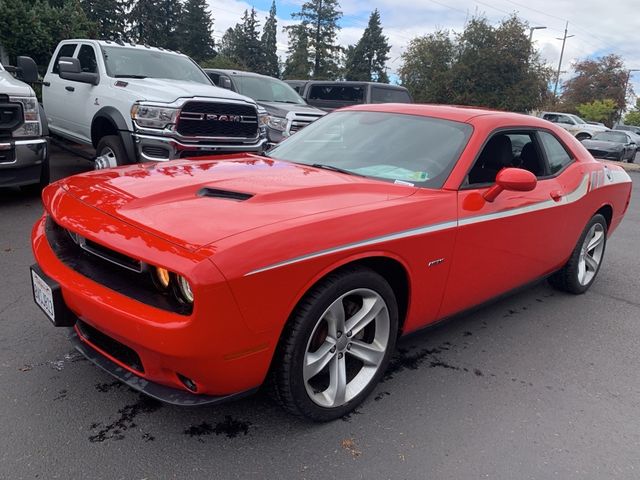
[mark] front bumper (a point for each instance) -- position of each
(151, 148)
(605, 154)
(211, 347)
(21, 161)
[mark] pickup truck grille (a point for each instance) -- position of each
(301, 120)
(208, 119)
(10, 115)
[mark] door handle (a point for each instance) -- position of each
(556, 195)
(70, 89)
(45, 84)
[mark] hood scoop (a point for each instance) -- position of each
(224, 194)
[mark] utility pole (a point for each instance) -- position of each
(531, 29)
(564, 39)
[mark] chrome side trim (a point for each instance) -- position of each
(371, 241)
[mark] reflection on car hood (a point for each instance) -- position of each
(602, 145)
(165, 90)
(194, 203)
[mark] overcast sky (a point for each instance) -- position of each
(599, 27)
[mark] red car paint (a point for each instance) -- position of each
(250, 262)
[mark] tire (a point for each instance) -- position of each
(317, 372)
(583, 136)
(633, 157)
(112, 147)
(579, 273)
(45, 179)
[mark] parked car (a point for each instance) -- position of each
(329, 95)
(612, 145)
(573, 124)
(286, 111)
(196, 282)
(24, 153)
(628, 128)
(139, 103)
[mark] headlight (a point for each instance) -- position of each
(277, 123)
(153, 116)
(184, 288)
(31, 112)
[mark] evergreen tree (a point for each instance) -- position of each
(196, 30)
(320, 19)
(153, 22)
(108, 15)
(298, 64)
(366, 61)
(241, 44)
(269, 44)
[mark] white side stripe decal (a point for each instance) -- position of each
(588, 183)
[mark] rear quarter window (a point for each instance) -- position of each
(557, 155)
(389, 95)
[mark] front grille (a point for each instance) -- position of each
(208, 119)
(7, 156)
(10, 116)
(109, 273)
(110, 346)
(301, 120)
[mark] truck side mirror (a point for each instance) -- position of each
(27, 70)
(225, 82)
(70, 69)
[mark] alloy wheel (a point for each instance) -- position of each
(591, 254)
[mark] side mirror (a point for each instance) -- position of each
(27, 70)
(225, 82)
(513, 179)
(70, 70)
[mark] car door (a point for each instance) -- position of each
(83, 101)
(518, 237)
(55, 96)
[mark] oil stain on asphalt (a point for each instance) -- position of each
(230, 427)
(127, 414)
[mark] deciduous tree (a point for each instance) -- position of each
(598, 111)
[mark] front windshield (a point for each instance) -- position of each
(406, 149)
(577, 119)
(617, 137)
(143, 63)
(264, 89)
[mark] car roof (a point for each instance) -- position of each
(239, 73)
(353, 83)
(452, 112)
(121, 44)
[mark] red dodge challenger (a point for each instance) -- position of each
(199, 281)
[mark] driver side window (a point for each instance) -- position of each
(517, 149)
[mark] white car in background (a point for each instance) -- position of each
(573, 124)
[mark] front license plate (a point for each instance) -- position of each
(43, 296)
(48, 296)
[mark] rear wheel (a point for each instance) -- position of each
(581, 270)
(110, 152)
(337, 345)
(583, 136)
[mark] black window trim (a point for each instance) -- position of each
(95, 55)
(57, 57)
(539, 146)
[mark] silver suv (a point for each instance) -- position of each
(573, 124)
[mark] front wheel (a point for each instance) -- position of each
(583, 266)
(110, 152)
(336, 346)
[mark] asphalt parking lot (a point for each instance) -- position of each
(539, 385)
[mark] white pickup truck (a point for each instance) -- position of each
(138, 103)
(23, 148)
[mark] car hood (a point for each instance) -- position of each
(602, 145)
(593, 128)
(281, 109)
(195, 203)
(164, 90)
(10, 86)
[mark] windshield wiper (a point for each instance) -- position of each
(333, 168)
(130, 76)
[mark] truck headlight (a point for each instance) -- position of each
(277, 123)
(153, 116)
(31, 113)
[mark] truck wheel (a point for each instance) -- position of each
(110, 152)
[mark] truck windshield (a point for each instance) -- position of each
(266, 89)
(142, 63)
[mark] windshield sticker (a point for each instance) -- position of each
(392, 172)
